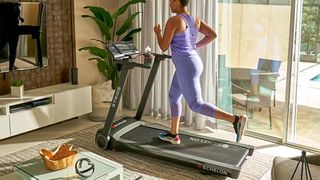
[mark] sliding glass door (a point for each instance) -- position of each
(269, 67)
(253, 38)
(304, 114)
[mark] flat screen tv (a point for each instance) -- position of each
(23, 36)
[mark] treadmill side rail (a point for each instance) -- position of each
(181, 158)
(126, 129)
(249, 147)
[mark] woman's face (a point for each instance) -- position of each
(174, 5)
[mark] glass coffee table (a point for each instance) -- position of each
(104, 169)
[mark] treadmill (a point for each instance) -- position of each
(209, 155)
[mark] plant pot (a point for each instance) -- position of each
(17, 91)
(102, 94)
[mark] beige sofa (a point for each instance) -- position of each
(283, 168)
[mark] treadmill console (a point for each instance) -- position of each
(122, 50)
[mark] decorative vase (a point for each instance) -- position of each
(17, 91)
(102, 94)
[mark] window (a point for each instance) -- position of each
(310, 35)
(270, 2)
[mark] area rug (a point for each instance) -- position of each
(136, 166)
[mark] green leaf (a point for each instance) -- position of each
(127, 24)
(115, 79)
(102, 53)
(103, 27)
(95, 58)
(129, 36)
(16, 82)
(123, 8)
(102, 14)
(120, 11)
(102, 42)
(102, 66)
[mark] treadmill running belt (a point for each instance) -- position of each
(204, 148)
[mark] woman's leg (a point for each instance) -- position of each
(189, 82)
(175, 122)
(220, 114)
(197, 105)
(175, 96)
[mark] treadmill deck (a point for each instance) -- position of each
(200, 147)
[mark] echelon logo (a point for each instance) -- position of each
(206, 141)
(215, 170)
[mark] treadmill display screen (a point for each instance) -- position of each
(122, 49)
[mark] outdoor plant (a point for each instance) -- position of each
(107, 23)
(16, 82)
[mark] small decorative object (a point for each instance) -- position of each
(61, 158)
(84, 167)
(17, 88)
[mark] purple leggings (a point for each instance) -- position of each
(186, 82)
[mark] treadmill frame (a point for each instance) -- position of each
(113, 139)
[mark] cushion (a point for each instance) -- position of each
(283, 168)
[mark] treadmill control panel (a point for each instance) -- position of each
(122, 49)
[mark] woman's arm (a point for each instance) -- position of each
(209, 33)
(165, 40)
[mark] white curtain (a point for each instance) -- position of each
(157, 12)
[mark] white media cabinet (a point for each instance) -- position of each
(42, 107)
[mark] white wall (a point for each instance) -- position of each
(86, 29)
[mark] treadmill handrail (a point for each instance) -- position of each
(126, 66)
(150, 81)
(133, 64)
(162, 56)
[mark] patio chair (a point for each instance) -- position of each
(269, 65)
(257, 94)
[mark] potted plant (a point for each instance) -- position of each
(17, 88)
(107, 22)
(111, 32)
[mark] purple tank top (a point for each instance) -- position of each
(184, 43)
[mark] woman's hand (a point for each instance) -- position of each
(209, 33)
(157, 29)
(165, 40)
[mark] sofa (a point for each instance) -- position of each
(283, 168)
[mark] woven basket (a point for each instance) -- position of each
(61, 158)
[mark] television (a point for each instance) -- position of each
(23, 36)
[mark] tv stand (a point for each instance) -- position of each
(42, 107)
